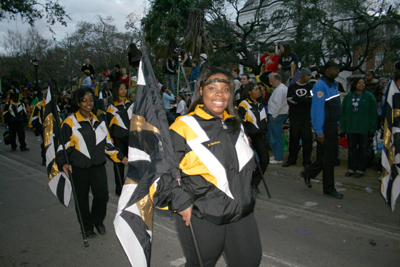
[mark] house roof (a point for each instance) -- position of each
(249, 5)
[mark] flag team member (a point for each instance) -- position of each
(216, 165)
(254, 120)
(15, 118)
(325, 116)
(36, 124)
(85, 139)
(119, 114)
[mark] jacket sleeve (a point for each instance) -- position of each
(342, 122)
(66, 132)
(6, 113)
(169, 192)
(262, 58)
(318, 108)
(250, 128)
(373, 115)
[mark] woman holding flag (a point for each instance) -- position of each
(85, 139)
(216, 164)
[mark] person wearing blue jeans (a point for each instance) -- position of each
(277, 113)
(274, 136)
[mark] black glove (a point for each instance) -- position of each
(342, 134)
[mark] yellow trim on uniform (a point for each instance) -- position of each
(192, 165)
(183, 130)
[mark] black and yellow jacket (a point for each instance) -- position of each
(37, 118)
(14, 112)
(254, 117)
(216, 164)
(87, 143)
(118, 118)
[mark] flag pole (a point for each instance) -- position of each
(58, 126)
(195, 243)
(262, 175)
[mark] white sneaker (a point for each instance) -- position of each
(275, 162)
(272, 158)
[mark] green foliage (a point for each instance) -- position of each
(343, 29)
(33, 10)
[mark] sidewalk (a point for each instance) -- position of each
(370, 179)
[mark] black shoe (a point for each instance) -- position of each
(256, 189)
(304, 175)
(101, 229)
(287, 164)
(334, 194)
(348, 174)
(90, 234)
(358, 175)
(13, 149)
(25, 149)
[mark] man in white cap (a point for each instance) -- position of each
(203, 62)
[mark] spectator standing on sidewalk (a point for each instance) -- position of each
(325, 115)
(358, 121)
(299, 99)
(277, 113)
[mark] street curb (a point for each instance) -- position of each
(370, 179)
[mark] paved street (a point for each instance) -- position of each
(299, 227)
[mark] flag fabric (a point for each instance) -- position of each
(152, 165)
(390, 186)
(58, 181)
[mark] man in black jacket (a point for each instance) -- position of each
(170, 71)
(87, 66)
(15, 118)
(299, 99)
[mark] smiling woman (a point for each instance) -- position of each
(216, 164)
(87, 143)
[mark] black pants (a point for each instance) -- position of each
(326, 159)
(17, 128)
(300, 128)
(94, 178)
(119, 168)
(358, 152)
(240, 242)
(261, 148)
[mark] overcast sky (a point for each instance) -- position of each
(80, 10)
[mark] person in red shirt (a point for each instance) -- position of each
(124, 78)
(270, 63)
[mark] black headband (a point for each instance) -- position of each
(216, 80)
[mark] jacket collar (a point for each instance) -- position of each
(328, 81)
(80, 118)
(203, 113)
(15, 103)
(116, 103)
